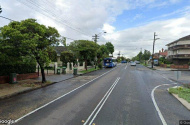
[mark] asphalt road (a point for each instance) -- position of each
(121, 96)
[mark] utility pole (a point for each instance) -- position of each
(95, 37)
(153, 48)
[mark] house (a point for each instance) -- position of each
(163, 53)
(59, 50)
(179, 51)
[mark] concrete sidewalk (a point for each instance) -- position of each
(185, 75)
(9, 90)
(56, 78)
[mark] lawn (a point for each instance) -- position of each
(182, 92)
(89, 70)
(144, 64)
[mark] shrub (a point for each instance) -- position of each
(100, 66)
(6, 69)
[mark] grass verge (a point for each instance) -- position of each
(182, 92)
(89, 70)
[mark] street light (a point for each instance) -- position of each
(153, 48)
(95, 37)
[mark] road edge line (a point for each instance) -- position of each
(156, 105)
(60, 97)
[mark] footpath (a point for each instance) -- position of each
(170, 73)
(9, 90)
(23, 86)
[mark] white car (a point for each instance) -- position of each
(133, 64)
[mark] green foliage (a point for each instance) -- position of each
(28, 38)
(84, 50)
(142, 56)
(6, 69)
(182, 92)
(52, 55)
(63, 41)
(162, 60)
(102, 53)
(66, 57)
(100, 65)
(110, 47)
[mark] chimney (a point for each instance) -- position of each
(162, 50)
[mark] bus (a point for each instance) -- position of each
(110, 62)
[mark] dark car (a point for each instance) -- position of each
(124, 61)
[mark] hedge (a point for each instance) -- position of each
(6, 69)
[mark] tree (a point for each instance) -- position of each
(63, 41)
(102, 52)
(84, 50)
(146, 55)
(52, 55)
(67, 56)
(29, 38)
(110, 47)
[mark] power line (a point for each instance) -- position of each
(6, 18)
(48, 13)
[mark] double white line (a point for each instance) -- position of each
(100, 104)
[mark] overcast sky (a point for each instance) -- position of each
(130, 24)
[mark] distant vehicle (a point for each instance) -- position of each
(124, 61)
(110, 62)
(133, 64)
(137, 62)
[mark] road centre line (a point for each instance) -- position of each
(101, 103)
(61, 96)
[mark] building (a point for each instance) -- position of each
(179, 51)
(163, 53)
(59, 50)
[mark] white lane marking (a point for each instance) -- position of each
(155, 104)
(60, 97)
(170, 80)
(126, 67)
(100, 103)
(103, 103)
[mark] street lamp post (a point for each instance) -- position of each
(153, 48)
(95, 37)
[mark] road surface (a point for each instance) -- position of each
(119, 96)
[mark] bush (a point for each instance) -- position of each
(100, 66)
(6, 69)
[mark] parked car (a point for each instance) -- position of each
(133, 64)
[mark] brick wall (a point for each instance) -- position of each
(180, 66)
(5, 79)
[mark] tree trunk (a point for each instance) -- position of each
(42, 72)
(86, 65)
(43, 75)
